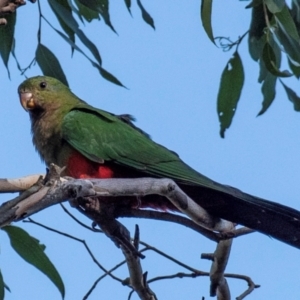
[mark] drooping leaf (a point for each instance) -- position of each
(49, 64)
(71, 22)
(275, 6)
(268, 91)
(269, 59)
(2, 287)
(231, 85)
(128, 5)
(293, 97)
(268, 79)
(89, 8)
(256, 37)
(105, 74)
(206, 9)
(108, 76)
(145, 15)
(103, 8)
(88, 14)
(6, 38)
(294, 69)
(290, 45)
(32, 252)
(263, 71)
(67, 29)
(287, 24)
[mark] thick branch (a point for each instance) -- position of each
(88, 196)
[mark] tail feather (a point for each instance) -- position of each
(271, 218)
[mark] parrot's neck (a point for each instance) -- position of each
(47, 138)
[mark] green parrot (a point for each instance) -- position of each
(92, 143)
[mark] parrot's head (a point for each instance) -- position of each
(41, 93)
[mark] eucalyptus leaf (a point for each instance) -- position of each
(231, 85)
(72, 23)
(7, 38)
(145, 15)
(49, 64)
(128, 5)
(32, 252)
(294, 69)
(206, 10)
(105, 74)
(108, 76)
(290, 45)
(268, 92)
(269, 59)
(67, 29)
(256, 37)
(275, 6)
(287, 24)
(293, 97)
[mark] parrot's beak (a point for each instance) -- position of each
(26, 100)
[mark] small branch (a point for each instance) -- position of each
(107, 272)
(169, 217)
(218, 285)
(137, 279)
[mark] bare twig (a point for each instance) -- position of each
(138, 279)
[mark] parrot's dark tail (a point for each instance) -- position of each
(271, 218)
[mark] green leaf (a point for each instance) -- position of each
(99, 6)
(263, 72)
(267, 79)
(61, 21)
(268, 91)
(231, 85)
(7, 38)
(128, 5)
(256, 37)
(86, 12)
(294, 69)
(71, 22)
(49, 64)
(275, 6)
(32, 252)
(2, 287)
(293, 97)
(269, 59)
(206, 9)
(108, 76)
(105, 74)
(103, 8)
(287, 24)
(145, 15)
(290, 45)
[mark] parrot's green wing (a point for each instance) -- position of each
(101, 136)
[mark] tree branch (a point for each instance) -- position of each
(91, 197)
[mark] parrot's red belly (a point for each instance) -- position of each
(79, 166)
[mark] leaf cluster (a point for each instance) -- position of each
(273, 33)
(71, 14)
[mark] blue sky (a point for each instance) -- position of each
(172, 75)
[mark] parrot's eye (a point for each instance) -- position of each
(43, 84)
